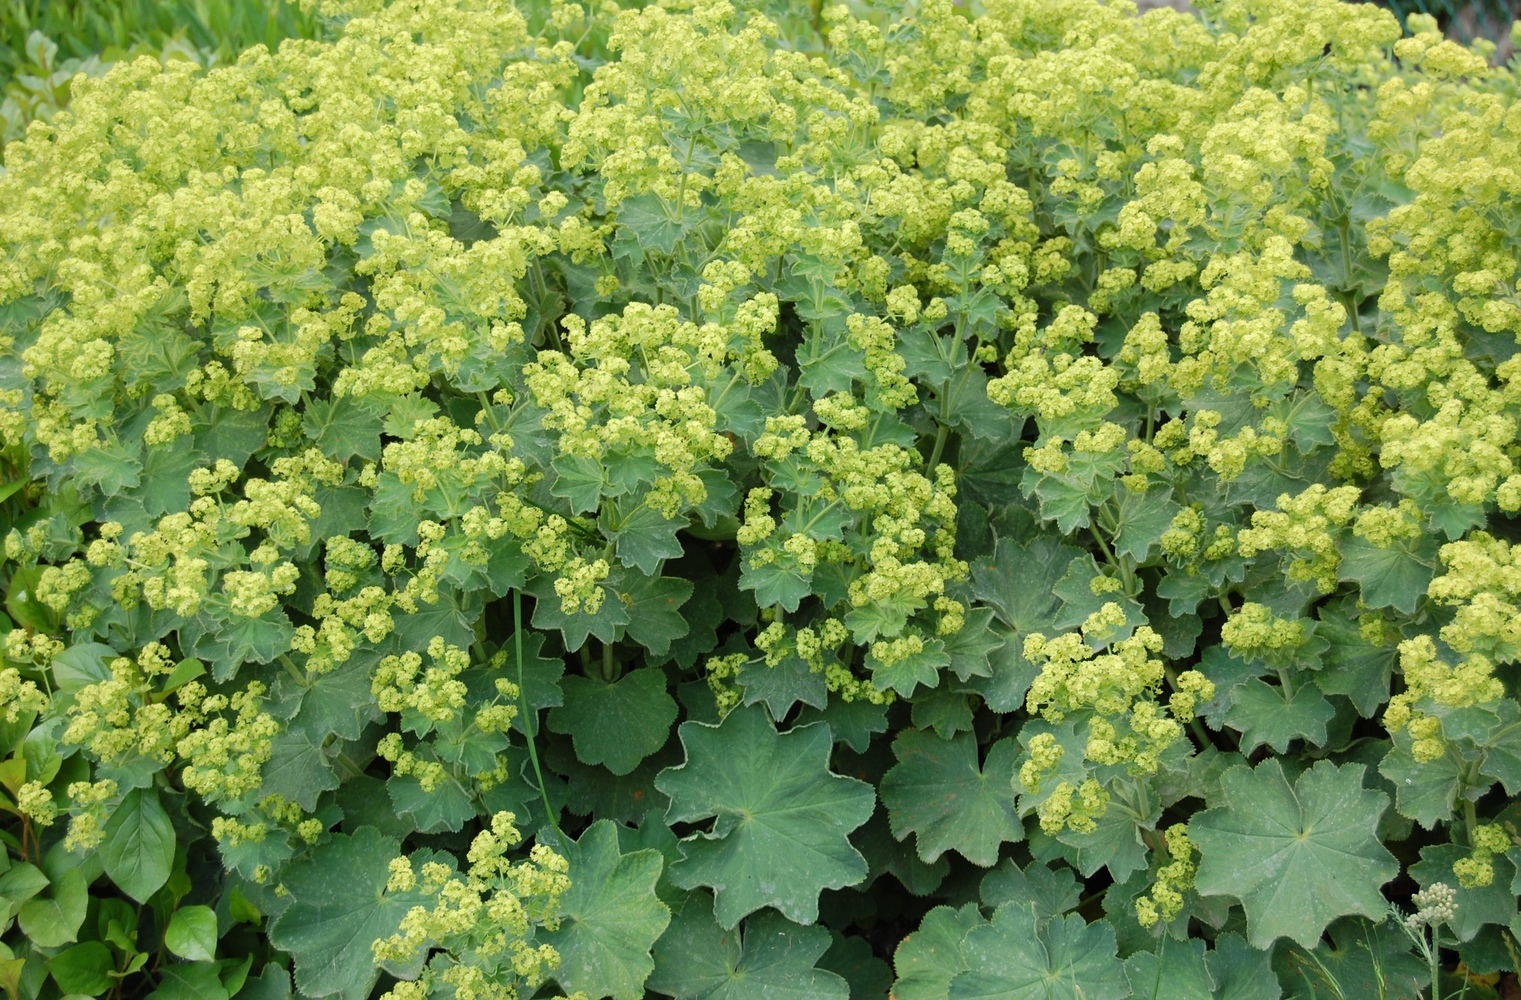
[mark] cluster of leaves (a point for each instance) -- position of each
(1013, 501)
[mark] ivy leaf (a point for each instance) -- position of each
(339, 905)
(611, 916)
(619, 724)
(928, 959)
(654, 611)
(1266, 713)
(1394, 577)
(1175, 971)
(769, 957)
(138, 851)
(939, 793)
(1297, 857)
(781, 818)
(1018, 957)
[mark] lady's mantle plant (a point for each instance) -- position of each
(1032, 475)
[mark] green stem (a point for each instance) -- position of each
(294, 671)
(1288, 688)
(935, 452)
(609, 665)
(1434, 965)
(533, 752)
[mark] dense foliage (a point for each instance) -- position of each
(45, 43)
(677, 499)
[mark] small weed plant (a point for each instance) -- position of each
(729, 500)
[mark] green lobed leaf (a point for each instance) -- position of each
(1394, 577)
(1297, 857)
(1051, 891)
(655, 611)
(1241, 972)
(928, 959)
(619, 724)
(298, 769)
(1272, 714)
(1475, 907)
(339, 906)
(1425, 791)
(611, 916)
(1017, 957)
(939, 792)
(766, 958)
(1176, 970)
(780, 817)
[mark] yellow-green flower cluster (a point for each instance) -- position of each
(401, 685)
(1165, 901)
(1483, 582)
(1115, 686)
(1303, 527)
(1477, 870)
(17, 695)
(485, 919)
